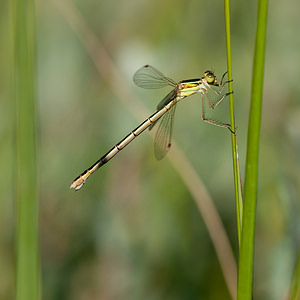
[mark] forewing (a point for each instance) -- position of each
(148, 77)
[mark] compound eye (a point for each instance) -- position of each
(210, 77)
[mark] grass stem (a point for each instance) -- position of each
(24, 123)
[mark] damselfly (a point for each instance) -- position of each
(150, 78)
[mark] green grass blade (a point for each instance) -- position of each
(236, 166)
(245, 273)
(26, 206)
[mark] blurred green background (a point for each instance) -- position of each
(134, 231)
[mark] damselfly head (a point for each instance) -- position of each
(210, 78)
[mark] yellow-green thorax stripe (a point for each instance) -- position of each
(190, 87)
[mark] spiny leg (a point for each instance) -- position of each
(212, 106)
(223, 76)
(219, 85)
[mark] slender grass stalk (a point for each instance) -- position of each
(245, 273)
(236, 166)
(295, 287)
(23, 85)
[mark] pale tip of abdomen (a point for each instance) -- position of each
(77, 184)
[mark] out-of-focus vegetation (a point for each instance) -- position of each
(23, 123)
(134, 231)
